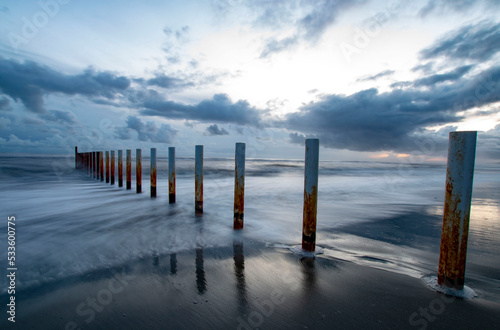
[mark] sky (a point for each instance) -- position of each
(373, 80)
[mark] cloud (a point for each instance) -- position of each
(164, 81)
(62, 117)
(455, 5)
(218, 109)
(443, 77)
(146, 131)
(479, 42)
(215, 130)
(29, 82)
(4, 103)
(376, 76)
(314, 18)
(373, 121)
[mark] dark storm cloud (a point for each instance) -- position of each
(309, 27)
(384, 73)
(373, 121)
(146, 131)
(4, 103)
(62, 117)
(28, 82)
(219, 109)
(215, 130)
(455, 5)
(164, 81)
(443, 77)
(478, 42)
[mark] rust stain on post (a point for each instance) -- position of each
(138, 170)
(239, 186)
(310, 195)
(129, 169)
(171, 175)
(120, 168)
(112, 167)
(107, 166)
(152, 171)
(198, 180)
(458, 196)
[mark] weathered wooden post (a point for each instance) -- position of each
(171, 175)
(457, 203)
(101, 164)
(138, 170)
(112, 167)
(310, 195)
(198, 180)
(239, 185)
(120, 168)
(129, 169)
(152, 171)
(76, 157)
(107, 166)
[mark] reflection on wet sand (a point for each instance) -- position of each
(201, 282)
(309, 273)
(173, 264)
(239, 272)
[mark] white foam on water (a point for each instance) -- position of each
(465, 293)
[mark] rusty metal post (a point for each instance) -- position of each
(198, 180)
(152, 171)
(101, 164)
(310, 195)
(171, 175)
(458, 196)
(93, 164)
(112, 167)
(138, 170)
(129, 169)
(107, 166)
(97, 168)
(87, 162)
(239, 185)
(120, 168)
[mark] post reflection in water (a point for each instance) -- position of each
(239, 272)
(173, 264)
(309, 273)
(201, 282)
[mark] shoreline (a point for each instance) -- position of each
(246, 286)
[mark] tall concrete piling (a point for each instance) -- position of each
(120, 168)
(198, 180)
(310, 195)
(138, 170)
(112, 164)
(458, 197)
(129, 169)
(239, 185)
(152, 171)
(107, 166)
(171, 175)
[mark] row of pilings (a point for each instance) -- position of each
(458, 196)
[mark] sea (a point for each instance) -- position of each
(379, 214)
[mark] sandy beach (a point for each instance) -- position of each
(247, 286)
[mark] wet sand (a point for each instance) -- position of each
(245, 286)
